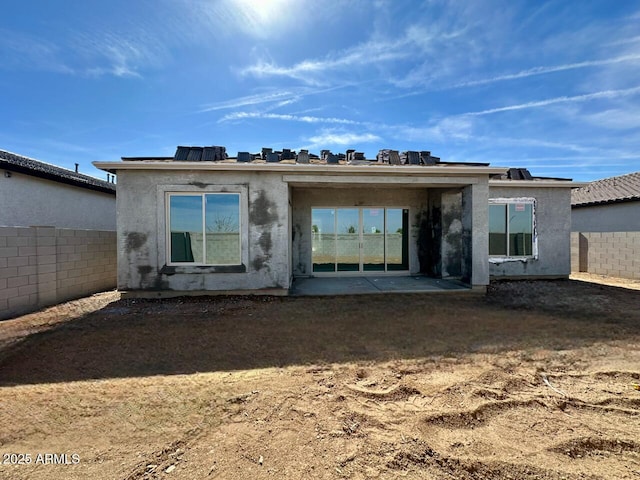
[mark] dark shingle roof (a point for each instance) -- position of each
(29, 166)
(609, 190)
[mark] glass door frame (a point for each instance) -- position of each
(361, 272)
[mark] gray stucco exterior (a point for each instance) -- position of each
(142, 257)
(448, 217)
(31, 201)
(552, 229)
(609, 217)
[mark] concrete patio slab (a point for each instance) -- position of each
(315, 286)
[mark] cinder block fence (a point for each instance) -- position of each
(42, 266)
(616, 254)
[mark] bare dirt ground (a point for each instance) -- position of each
(535, 380)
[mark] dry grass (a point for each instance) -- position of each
(418, 386)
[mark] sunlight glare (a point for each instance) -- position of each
(264, 13)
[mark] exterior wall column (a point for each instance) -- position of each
(475, 228)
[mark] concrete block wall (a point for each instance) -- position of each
(42, 266)
(616, 254)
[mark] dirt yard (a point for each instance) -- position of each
(535, 380)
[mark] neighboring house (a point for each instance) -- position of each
(57, 235)
(607, 205)
(605, 221)
(37, 193)
(201, 222)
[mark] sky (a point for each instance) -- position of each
(550, 86)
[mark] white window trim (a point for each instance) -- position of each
(163, 227)
(534, 229)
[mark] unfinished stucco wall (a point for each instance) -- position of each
(612, 217)
(452, 234)
(441, 254)
(304, 199)
(142, 258)
(553, 227)
(28, 200)
(475, 233)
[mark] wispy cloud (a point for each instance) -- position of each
(542, 70)
(339, 138)
(615, 119)
(624, 41)
(122, 55)
(84, 53)
(257, 99)
(564, 99)
(277, 98)
(21, 51)
(372, 52)
(286, 117)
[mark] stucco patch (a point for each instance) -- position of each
(258, 262)
(263, 210)
(265, 242)
(135, 241)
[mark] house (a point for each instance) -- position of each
(57, 235)
(37, 193)
(200, 221)
(607, 205)
(605, 221)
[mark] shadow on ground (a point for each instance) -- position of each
(131, 338)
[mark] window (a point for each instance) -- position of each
(511, 227)
(204, 229)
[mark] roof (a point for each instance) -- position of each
(334, 166)
(524, 174)
(28, 166)
(288, 156)
(623, 188)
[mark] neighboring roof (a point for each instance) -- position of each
(623, 188)
(28, 166)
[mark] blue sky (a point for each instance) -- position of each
(551, 86)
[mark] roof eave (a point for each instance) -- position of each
(605, 202)
(536, 183)
(55, 178)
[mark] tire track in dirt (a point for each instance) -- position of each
(585, 446)
(418, 455)
(164, 460)
(472, 418)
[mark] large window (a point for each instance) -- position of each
(511, 227)
(204, 228)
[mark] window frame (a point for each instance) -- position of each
(534, 234)
(202, 195)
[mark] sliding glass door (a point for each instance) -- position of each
(373, 239)
(359, 239)
(347, 239)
